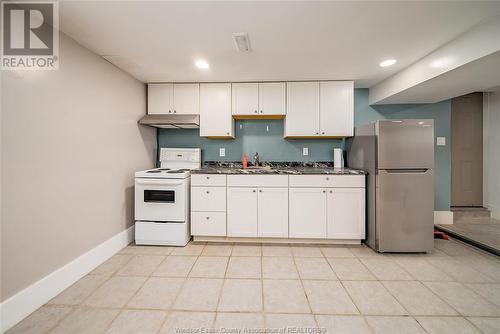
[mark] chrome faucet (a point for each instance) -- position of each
(256, 159)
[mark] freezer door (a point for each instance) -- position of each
(405, 210)
(405, 144)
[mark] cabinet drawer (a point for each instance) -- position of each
(326, 181)
(257, 180)
(208, 199)
(208, 223)
(208, 180)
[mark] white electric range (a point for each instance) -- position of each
(162, 198)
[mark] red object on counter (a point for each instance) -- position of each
(244, 160)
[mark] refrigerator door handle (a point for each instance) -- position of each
(407, 171)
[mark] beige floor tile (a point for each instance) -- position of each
(217, 250)
(328, 297)
(244, 267)
(175, 266)
(337, 252)
(86, 321)
(239, 320)
(490, 268)
(77, 293)
(339, 324)
(487, 325)
(447, 325)
(350, 269)
(422, 270)
(209, 266)
(372, 298)
(277, 250)
(417, 299)
(137, 321)
(285, 296)
(463, 299)
(157, 293)
(460, 272)
(115, 292)
(364, 251)
(454, 248)
(490, 292)
(279, 268)
(188, 250)
(141, 265)
(187, 321)
(247, 250)
(147, 250)
(394, 325)
(239, 295)
(290, 321)
(303, 251)
(41, 321)
(386, 269)
(314, 268)
(199, 294)
(115, 263)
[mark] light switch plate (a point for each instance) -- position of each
(305, 151)
(222, 152)
(441, 141)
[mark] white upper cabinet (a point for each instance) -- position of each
(258, 99)
(173, 99)
(160, 99)
(245, 98)
(302, 116)
(215, 110)
(272, 98)
(336, 110)
(187, 99)
(320, 109)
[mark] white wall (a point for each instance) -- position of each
(491, 130)
(70, 144)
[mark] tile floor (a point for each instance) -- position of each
(456, 289)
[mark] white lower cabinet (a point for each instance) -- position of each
(241, 212)
(272, 210)
(307, 213)
(257, 212)
(211, 224)
(346, 213)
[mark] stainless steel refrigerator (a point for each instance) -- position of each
(399, 158)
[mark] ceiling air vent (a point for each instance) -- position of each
(241, 41)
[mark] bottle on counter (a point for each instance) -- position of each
(244, 160)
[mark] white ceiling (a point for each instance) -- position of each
(159, 41)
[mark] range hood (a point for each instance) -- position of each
(171, 121)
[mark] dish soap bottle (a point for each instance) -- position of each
(244, 160)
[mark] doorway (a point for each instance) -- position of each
(467, 150)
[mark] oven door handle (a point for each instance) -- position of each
(159, 182)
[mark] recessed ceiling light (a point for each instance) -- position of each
(202, 64)
(388, 62)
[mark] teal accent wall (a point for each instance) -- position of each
(266, 137)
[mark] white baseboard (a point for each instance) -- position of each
(28, 300)
(443, 217)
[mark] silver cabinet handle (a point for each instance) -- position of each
(324, 191)
(208, 218)
(260, 190)
(175, 111)
(327, 178)
(322, 133)
(256, 111)
(261, 112)
(170, 111)
(317, 133)
(208, 177)
(227, 133)
(253, 190)
(208, 192)
(331, 191)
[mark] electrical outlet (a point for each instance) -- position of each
(441, 141)
(222, 152)
(305, 151)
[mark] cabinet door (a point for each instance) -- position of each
(160, 98)
(307, 213)
(241, 212)
(187, 99)
(302, 114)
(272, 98)
(245, 99)
(346, 213)
(273, 212)
(215, 110)
(336, 111)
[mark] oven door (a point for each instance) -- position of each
(160, 200)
